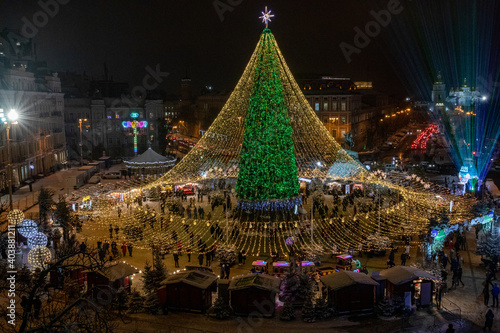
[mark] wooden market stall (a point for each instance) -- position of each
(113, 275)
(188, 291)
(414, 285)
(254, 293)
(350, 291)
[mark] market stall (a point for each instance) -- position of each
(254, 293)
(188, 291)
(411, 283)
(350, 291)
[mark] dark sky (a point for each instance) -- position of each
(189, 36)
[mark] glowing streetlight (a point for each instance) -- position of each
(80, 121)
(11, 119)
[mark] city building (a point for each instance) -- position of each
(38, 144)
(107, 121)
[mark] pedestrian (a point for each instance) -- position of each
(390, 261)
(117, 229)
(240, 258)
(227, 270)
(124, 249)
(208, 256)
(222, 271)
(176, 258)
(450, 329)
(494, 292)
(489, 320)
(130, 248)
(110, 231)
(403, 259)
(99, 243)
(459, 276)
(486, 293)
(200, 259)
(37, 305)
(188, 252)
(444, 260)
(439, 295)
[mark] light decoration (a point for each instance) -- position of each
(392, 206)
(27, 228)
(266, 16)
(38, 239)
(15, 216)
(39, 256)
(135, 124)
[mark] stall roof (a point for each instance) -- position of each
(115, 271)
(198, 279)
(401, 274)
(260, 281)
(342, 279)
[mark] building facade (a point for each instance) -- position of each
(38, 144)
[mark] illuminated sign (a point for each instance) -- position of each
(134, 124)
(134, 115)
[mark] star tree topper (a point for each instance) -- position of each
(266, 16)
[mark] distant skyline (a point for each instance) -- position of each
(195, 39)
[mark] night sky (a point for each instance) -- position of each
(189, 37)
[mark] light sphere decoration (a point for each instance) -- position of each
(15, 216)
(27, 228)
(38, 239)
(39, 256)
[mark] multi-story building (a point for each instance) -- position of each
(38, 144)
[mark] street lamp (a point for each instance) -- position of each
(81, 144)
(10, 120)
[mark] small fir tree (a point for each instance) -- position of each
(147, 278)
(220, 310)
(288, 312)
(151, 303)
(135, 302)
(321, 308)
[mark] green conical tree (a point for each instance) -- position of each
(268, 171)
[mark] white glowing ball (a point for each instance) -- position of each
(38, 239)
(15, 216)
(27, 228)
(39, 256)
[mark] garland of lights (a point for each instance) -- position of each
(39, 256)
(395, 205)
(37, 240)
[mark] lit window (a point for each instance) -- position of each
(316, 106)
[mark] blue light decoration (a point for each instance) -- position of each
(289, 241)
(270, 205)
(134, 115)
(27, 228)
(434, 233)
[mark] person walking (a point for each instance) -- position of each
(459, 276)
(494, 292)
(390, 261)
(244, 256)
(450, 329)
(240, 258)
(200, 259)
(37, 305)
(130, 248)
(110, 231)
(486, 293)
(188, 252)
(227, 270)
(489, 320)
(222, 271)
(176, 259)
(117, 229)
(208, 256)
(403, 259)
(124, 249)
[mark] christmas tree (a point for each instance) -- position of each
(268, 173)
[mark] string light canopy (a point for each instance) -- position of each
(238, 146)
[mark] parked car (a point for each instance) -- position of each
(112, 175)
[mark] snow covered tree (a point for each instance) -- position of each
(147, 278)
(135, 302)
(151, 303)
(220, 310)
(288, 312)
(489, 245)
(321, 308)
(226, 254)
(390, 306)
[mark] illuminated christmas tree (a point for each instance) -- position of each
(268, 176)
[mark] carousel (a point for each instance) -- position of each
(149, 164)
